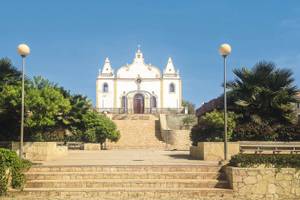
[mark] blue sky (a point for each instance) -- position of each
(69, 40)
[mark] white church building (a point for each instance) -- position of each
(139, 88)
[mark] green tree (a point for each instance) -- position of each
(48, 110)
(9, 75)
(80, 106)
(10, 115)
(211, 127)
(10, 100)
(47, 106)
(263, 93)
(98, 128)
(190, 106)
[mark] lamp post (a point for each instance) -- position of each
(225, 50)
(23, 51)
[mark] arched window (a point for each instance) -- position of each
(172, 87)
(105, 87)
(153, 102)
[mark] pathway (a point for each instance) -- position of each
(128, 157)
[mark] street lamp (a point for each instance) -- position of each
(225, 50)
(23, 51)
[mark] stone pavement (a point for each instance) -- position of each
(128, 157)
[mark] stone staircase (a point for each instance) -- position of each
(134, 117)
(138, 131)
(138, 182)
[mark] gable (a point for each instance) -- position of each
(138, 70)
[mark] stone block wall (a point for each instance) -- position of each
(264, 183)
(41, 151)
(92, 147)
(177, 139)
(213, 151)
(174, 138)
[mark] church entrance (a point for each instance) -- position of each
(138, 104)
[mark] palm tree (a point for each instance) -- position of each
(263, 93)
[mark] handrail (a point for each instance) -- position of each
(272, 146)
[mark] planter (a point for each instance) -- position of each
(40, 151)
(213, 151)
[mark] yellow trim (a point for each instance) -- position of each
(97, 95)
(161, 94)
(180, 93)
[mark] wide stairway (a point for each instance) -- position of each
(138, 131)
(182, 182)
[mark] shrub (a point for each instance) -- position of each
(276, 160)
(190, 106)
(253, 131)
(263, 131)
(289, 133)
(211, 127)
(188, 120)
(10, 162)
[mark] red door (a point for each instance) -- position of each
(138, 104)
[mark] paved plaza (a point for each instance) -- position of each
(128, 157)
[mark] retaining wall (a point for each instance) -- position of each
(264, 183)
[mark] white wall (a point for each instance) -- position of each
(152, 81)
(128, 85)
(123, 86)
(104, 99)
(171, 99)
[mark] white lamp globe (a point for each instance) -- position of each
(23, 50)
(225, 49)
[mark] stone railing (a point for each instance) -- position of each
(145, 111)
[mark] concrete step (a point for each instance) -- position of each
(125, 182)
(127, 168)
(122, 194)
(128, 183)
(152, 147)
(121, 175)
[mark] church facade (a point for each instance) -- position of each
(138, 88)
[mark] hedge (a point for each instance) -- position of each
(12, 165)
(272, 160)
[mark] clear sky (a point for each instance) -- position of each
(69, 40)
